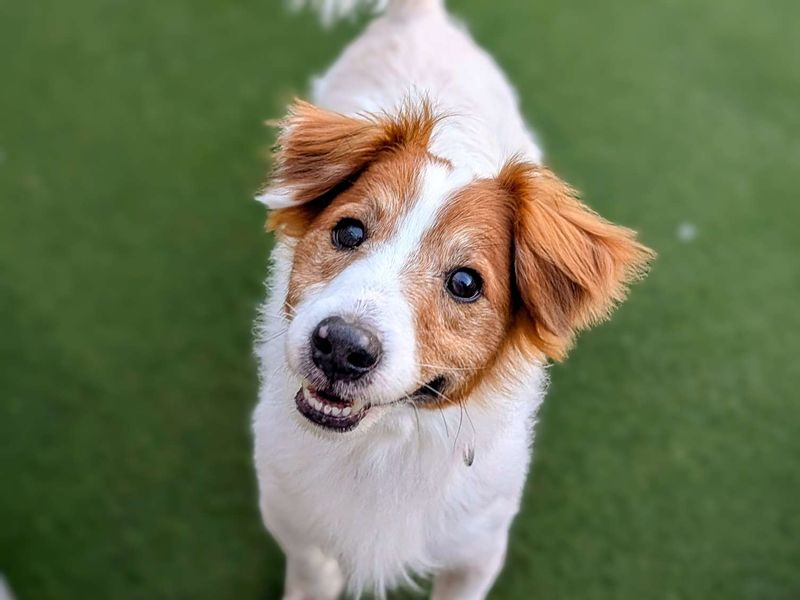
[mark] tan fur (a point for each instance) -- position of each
(572, 266)
(378, 199)
(321, 152)
(457, 339)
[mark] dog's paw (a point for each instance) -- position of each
(313, 576)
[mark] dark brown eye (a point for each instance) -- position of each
(348, 234)
(464, 285)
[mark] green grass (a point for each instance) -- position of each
(668, 455)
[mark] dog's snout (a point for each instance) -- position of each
(344, 351)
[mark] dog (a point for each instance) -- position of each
(426, 269)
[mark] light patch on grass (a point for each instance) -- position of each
(686, 232)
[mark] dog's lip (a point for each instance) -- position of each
(327, 410)
(431, 391)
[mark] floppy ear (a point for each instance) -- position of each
(571, 265)
(320, 152)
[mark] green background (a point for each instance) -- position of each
(132, 259)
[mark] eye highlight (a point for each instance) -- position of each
(464, 284)
(348, 234)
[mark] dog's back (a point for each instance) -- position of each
(416, 49)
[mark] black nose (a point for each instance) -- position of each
(344, 351)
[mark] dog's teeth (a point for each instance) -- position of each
(346, 411)
(327, 410)
(316, 404)
(336, 412)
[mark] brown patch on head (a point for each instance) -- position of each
(378, 199)
(459, 340)
(550, 266)
(322, 153)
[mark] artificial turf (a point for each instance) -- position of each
(667, 462)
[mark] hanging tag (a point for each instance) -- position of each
(469, 455)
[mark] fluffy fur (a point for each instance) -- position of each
(416, 133)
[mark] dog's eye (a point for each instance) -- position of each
(464, 285)
(348, 234)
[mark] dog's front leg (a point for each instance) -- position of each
(472, 581)
(311, 575)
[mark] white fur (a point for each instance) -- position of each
(371, 509)
(275, 198)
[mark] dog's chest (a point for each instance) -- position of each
(383, 511)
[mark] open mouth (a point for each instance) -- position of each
(328, 411)
(338, 414)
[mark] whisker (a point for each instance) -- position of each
(416, 416)
(413, 405)
(281, 315)
(444, 420)
(288, 305)
(474, 433)
(443, 368)
(274, 336)
(435, 391)
(441, 411)
(460, 421)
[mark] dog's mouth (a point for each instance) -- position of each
(334, 413)
(327, 410)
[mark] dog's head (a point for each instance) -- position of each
(412, 279)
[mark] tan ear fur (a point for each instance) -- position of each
(320, 151)
(571, 265)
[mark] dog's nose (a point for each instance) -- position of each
(344, 351)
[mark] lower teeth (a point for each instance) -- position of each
(327, 409)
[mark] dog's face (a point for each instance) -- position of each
(412, 280)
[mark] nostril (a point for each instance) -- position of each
(321, 341)
(323, 346)
(361, 359)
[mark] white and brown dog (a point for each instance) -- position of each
(426, 267)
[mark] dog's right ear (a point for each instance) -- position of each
(320, 152)
(571, 266)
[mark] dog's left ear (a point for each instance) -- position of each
(319, 152)
(571, 265)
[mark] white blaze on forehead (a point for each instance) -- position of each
(378, 271)
(437, 186)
